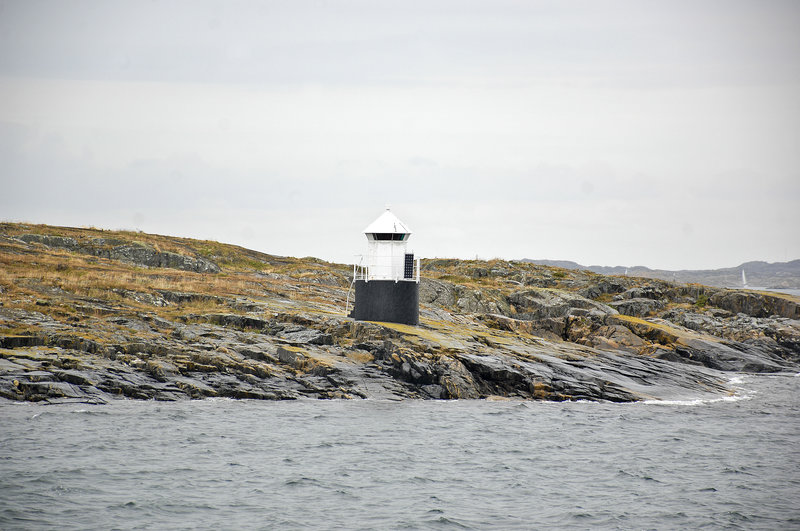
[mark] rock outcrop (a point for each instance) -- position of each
(131, 252)
(82, 320)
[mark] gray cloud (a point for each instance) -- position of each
(613, 132)
(635, 43)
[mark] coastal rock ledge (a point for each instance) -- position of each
(83, 318)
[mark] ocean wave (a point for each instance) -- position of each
(700, 401)
(547, 465)
(741, 391)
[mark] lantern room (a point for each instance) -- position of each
(387, 249)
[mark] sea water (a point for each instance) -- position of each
(227, 464)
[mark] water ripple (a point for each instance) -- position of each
(381, 464)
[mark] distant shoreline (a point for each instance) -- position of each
(782, 275)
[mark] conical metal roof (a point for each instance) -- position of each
(387, 223)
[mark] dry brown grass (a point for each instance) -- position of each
(59, 282)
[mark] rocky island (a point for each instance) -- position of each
(91, 315)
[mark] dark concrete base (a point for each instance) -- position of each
(387, 300)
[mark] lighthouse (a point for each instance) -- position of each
(387, 280)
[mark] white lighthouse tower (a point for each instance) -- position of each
(387, 285)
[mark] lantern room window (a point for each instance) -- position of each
(388, 236)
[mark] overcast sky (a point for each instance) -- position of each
(664, 134)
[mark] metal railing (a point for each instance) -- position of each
(361, 272)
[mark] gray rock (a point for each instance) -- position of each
(290, 357)
(638, 307)
(59, 242)
(643, 292)
(538, 304)
(130, 252)
(603, 287)
(437, 292)
(755, 304)
(306, 336)
(460, 298)
(727, 357)
(149, 257)
(234, 320)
